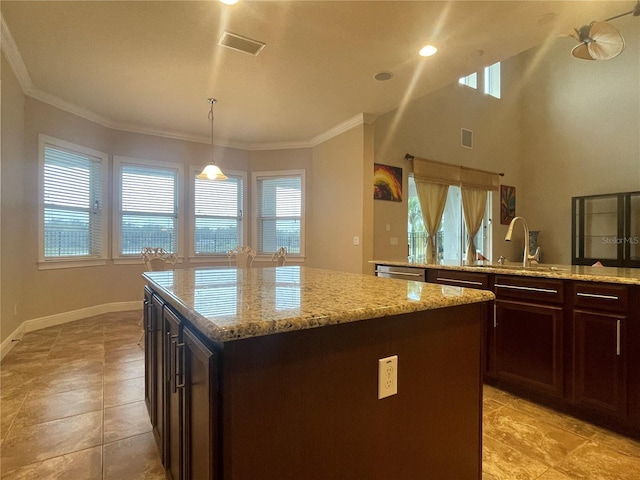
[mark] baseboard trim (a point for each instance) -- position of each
(61, 318)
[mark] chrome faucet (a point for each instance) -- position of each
(526, 258)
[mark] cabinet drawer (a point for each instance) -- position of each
(601, 296)
(405, 273)
(460, 278)
(528, 288)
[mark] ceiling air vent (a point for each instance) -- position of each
(240, 43)
(467, 138)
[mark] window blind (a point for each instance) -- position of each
(279, 211)
(72, 204)
(218, 215)
(148, 208)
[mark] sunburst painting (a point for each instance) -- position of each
(387, 182)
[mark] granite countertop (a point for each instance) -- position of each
(230, 304)
(629, 276)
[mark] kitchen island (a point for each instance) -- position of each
(274, 374)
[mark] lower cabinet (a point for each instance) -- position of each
(528, 345)
(200, 413)
(174, 385)
(599, 362)
(600, 347)
(180, 381)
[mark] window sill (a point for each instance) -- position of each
(71, 263)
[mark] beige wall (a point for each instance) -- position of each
(41, 293)
(339, 202)
(581, 133)
(13, 258)
(564, 127)
(430, 128)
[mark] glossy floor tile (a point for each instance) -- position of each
(72, 407)
(72, 404)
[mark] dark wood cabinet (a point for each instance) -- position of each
(156, 387)
(600, 319)
(528, 333)
(599, 362)
(173, 365)
(459, 278)
(200, 409)
(180, 383)
(148, 357)
(528, 345)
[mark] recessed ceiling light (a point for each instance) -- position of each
(229, 2)
(383, 76)
(428, 50)
(546, 19)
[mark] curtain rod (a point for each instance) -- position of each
(410, 157)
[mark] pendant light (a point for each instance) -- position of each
(212, 171)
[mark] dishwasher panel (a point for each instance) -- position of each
(404, 273)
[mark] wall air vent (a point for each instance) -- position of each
(240, 43)
(467, 138)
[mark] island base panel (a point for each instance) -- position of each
(304, 404)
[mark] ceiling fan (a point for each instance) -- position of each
(600, 40)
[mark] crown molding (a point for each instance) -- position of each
(19, 68)
(11, 52)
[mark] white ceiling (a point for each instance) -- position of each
(149, 66)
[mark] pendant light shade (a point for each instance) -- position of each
(212, 171)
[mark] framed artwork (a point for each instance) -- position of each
(387, 182)
(507, 204)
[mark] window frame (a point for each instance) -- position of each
(46, 263)
(255, 176)
(118, 162)
(209, 257)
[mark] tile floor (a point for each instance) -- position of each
(72, 407)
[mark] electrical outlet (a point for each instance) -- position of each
(393, 240)
(387, 376)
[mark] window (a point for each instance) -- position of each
(451, 239)
(279, 211)
(147, 198)
(492, 80)
(470, 80)
(218, 214)
(72, 219)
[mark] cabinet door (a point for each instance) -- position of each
(528, 345)
(599, 362)
(148, 357)
(201, 410)
(157, 376)
(173, 388)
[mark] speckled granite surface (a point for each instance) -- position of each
(229, 304)
(629, 276)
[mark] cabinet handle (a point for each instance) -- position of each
(455, 280)
(148, 324)
(406, 274)
(618, 338)
(172, 361)
(179, 382)
(495, 316)
(529, 289)
(597, 295)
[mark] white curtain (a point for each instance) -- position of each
(474, 201)
(433, 197)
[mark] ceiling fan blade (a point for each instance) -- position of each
(607, 42)
(582, 51)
